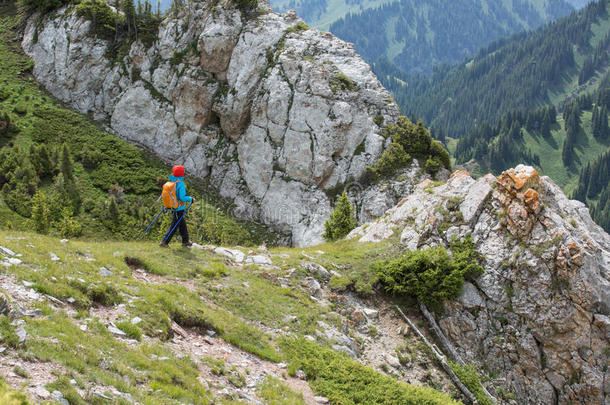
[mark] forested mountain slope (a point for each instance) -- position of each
(527, 71)
(416, 35)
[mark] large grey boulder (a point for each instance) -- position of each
(272, 115)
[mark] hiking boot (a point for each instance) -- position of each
(163, 245)
(187, 244)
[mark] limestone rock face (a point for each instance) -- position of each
(538, 315)
(272, 114)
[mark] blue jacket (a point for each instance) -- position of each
(181, 192)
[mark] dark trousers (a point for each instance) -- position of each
(182, 227)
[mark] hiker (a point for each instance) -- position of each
(175, 198)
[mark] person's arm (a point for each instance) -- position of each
(181, 193)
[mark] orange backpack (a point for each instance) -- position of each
(168, 195)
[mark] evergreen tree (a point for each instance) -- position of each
(595, 122)
(604, 131)
(129, 10)
(41, 159)
(41, 215)
(113, 211)
(342, 220)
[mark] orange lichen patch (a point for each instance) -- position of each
(459, 173)
(574, 248)
(515, 180)
(532, 200)
(424, 183)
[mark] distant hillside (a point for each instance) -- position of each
(527, 71)
(417, 35)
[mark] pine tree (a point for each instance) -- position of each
(130, 17)
(70, 190)
(66, 164)
(41, 214)
(595, 122)
(342, 220)
(604, 131)
(113, 211)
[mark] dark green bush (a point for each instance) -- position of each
(43, 6)
(342, 220)
(103, 19)
(7, 127)
(431, 276)
(246, 5)
(433, 164)
(392, 159)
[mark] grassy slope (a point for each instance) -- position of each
(209, 220)
(237, 301)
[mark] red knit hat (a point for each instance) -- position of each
(178, 171)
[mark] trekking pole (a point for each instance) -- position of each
(153, 222)
(185, 211)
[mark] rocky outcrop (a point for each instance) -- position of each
(539, 315)
(273, 114)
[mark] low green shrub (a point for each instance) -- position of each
(408, 140)
(246, 5)
(132, 331)
(431, 276)
(275, 393)
(392, 159)
(469, 376)
(102, 17)
(10, 397)
(341, 82)
(43, 6)
(345, 381)
(7, 127)
(342, 220)
(8, 337)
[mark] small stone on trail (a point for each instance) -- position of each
(41, 392)
(250, 399)
(6, 251)
(14, 260)
(116, 331)
(321, 400)
(59, 397)
(71, 300)
(54, 258)
(34, 313)
(136, 320)
(371, 313)
(27, 283)
(210, 333)
(21, 334)
(290, 319)
(392, 360)
(104, 272)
